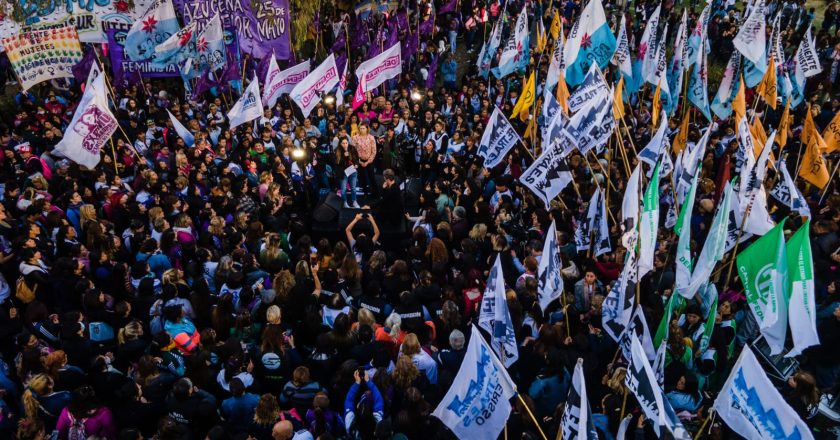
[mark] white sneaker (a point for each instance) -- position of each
(356, 205)
(346, 205)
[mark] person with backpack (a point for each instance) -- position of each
(362, 412)
(85, 417)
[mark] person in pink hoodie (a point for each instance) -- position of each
(84, 412)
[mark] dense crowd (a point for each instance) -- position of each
(182, 292)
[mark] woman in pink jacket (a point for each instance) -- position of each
(85, 417)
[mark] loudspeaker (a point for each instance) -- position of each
(328, 210)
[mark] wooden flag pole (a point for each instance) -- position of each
(531, 415)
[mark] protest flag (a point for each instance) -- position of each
(515, 49)
(182, 131)
(92, 125)
(525, 100)
(739, 103)
(751, 39)
(752, 407)
(762, 268)
(477, 404)
(649, 224)
(549, 281)
(494, 316)
(248, 107)
(767, 87)
(156, 24)
(591, 40)
(576, 423)
(784, 126)
(801, 309)
(307, 93)
(498, 138)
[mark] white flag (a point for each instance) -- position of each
(248, 107)
(630, 210)
(495, 317)
(683, 231)
(576, 423)
(623, 427)
(477, 404)
(641, 381)
(549, 281)
(621, 57)
(648, 47)
(548, 175)
(806, 58)
(617, 308)
(555, 66)
(592, 88)
(657, 144)
(649, 224)
(601, 237)
(307, 93)
(278, 82)
(752, 407)
(498, 138)
(381, 68)
(342, 84)
(713, 248)
(92, 125)
(182, 131)
(637, 328)
(787, 193)
(751, 40)
(801, 309)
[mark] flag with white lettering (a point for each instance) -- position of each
(617, 308)
(593, 125)
(786, 192)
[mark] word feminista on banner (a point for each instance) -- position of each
(262, 26)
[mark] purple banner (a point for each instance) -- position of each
(125, 70)
(260, 30)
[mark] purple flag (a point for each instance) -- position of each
(82, 68)
(393, 32)
(377, 44)
(340, 44)
(261, 26)
(361, 35)
(430, 80)
(450, 6)
(126, 71)
(428, 26)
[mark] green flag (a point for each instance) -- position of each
(801, 309)
(674, 306)
(762, 268)
(683, 230)
(649, 224)
(709, 326)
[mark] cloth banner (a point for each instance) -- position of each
(42, 55)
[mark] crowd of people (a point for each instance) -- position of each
(181, 292)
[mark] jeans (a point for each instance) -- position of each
(353, 181)
(453, 36)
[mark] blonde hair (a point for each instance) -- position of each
(87, 212)
(267, 410)
(410, 345)
(155, 213)
(39, 385)
(405, 372)
(217, 225)
(130, 332)
(173, 276)
(393, 322)
(273, 315)
(366, 318)
(478, 232)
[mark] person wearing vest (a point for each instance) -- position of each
(181, 329)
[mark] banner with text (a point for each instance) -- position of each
(42, 55)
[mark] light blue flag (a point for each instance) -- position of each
(154, 27)
(722, 102)
(591, 40)
(515, 54)
(210, 46)
(176, 49)
(754, 72)
(698, 90)
(696, 38)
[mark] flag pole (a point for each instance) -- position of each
(114, 152)
(624, 403)
(530, 414)
(825, 191)
(705, 423)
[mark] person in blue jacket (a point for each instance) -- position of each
(359, 414)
